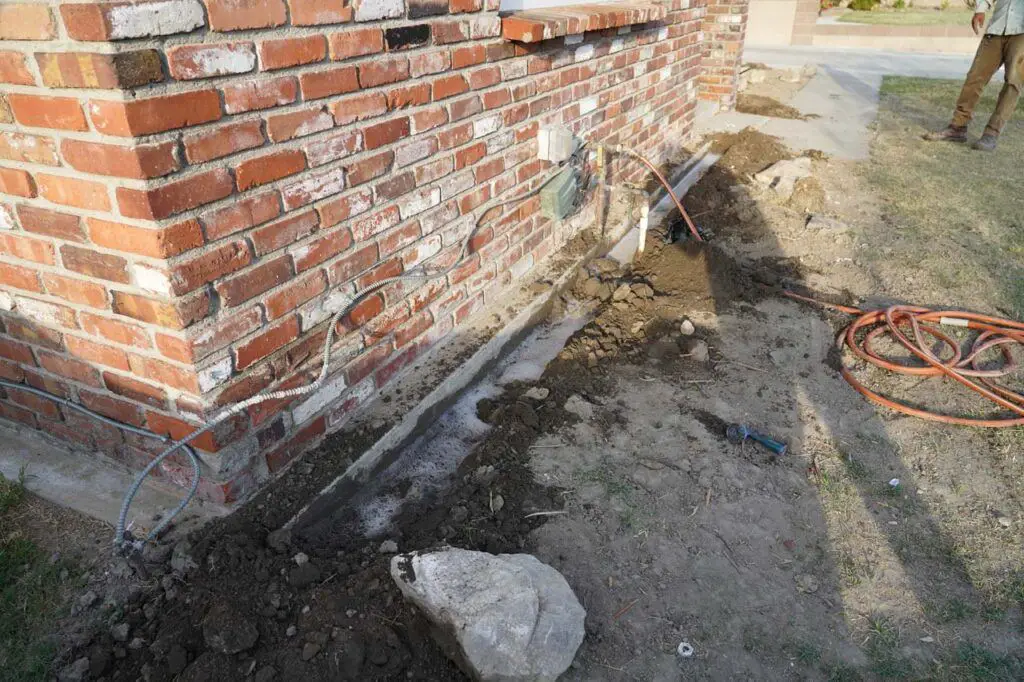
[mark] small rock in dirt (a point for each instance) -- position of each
(818, 222)
(177, 659)
(605, 292)
(310, 650)
(137, 643)
(591, 288)
(537, 393)
(181, 560)
(497, 503)
(686, 328)
(303, 575)
(87, 600)
(265, 674)
(642, 290)
(807, 583)
(74, 672)
(697, 350)
(120, 632)
(278, 540)
(525, 414)
(301, 559)
(782, 175)
(755, 76)
(603, 265)
(622, 293)
(458, 514)
(808, 196)
(509, 616)
(154, 553)
(1004, 521)
(229, 631)
(484, 475)
(388, 547)
(290, 632)
(579, 407)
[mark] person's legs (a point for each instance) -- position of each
(1013, 62)
(987, 60)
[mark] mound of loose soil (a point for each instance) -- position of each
(748, 151)
(766, 106)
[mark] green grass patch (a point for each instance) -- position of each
(30, 597)
(909, 17)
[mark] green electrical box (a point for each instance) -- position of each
(558, 195)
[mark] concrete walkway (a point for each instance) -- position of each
(843, 95)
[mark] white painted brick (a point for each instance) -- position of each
(502, 140)
(155, 19)
(663, 33)
(216, 60)
(313, 189)
(521, 266)
(456, 184)
(212, 376)
(152, 279)
(40, 311)
(6, 301)
(574, 39)
(624, 30)
(514, 68)
(485, 27)
(312, 314)
(562, 58)
(439, 218)
(6, 218)
(425, 250)
(360, 393)
(374, 10)
(419, 201)
(617, 45)
(486, 125)
(584, 52)
(329, 392)
(647, 52)
(588, 105)
(413, 152)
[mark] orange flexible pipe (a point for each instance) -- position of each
(668, 188)
(994, 332)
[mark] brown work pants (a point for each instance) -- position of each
(993, 52)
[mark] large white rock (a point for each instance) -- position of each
(782, 176)
(507, 618)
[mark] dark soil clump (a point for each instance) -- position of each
(766, 106)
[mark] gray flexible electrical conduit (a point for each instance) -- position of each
(418, 272)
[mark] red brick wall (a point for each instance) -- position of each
(725, 27)
(183, 183)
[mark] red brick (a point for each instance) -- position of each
(95, 264)
(487, 170)
(336, 81)
(280, 458)
(192, 62)
(209, 265)
(450, 32)
(496, 99)
(224, 332)
(135, 390)
(28, 332)
(16, 351)
(469, 55)
(359, 107)
(12, 69)
(383, 71)
(15, 413)
(348, 268)
(318, 185)
(322, 249)
(385, 323)
(318, 12)
(19, 278)
(173, 315)
(73, 192)
(286, 52)
(372, 225)
(333, 147)
(454, 137)
(161, 242)
(26, 248)
(435, 170)
(399, 238)
(177, 429)
(155, 114)
(115, 408)
(75, 290)
(175, 197)
(467, 156)
(449, 86)
(460, 6)
(295, 294)
(266, 343)
(428, 119)
(174, 348)
(164, 373)
(380, 134)
(120, 71)
(17, 183)
(356, 43)
(26, 22)
(395, 366)
(223, 141)
(140, 163)
(281, 233)
(44, 382)
(338, 209)
(386, 270)
(242, 215)
(425, 64)
(484, 77)
(41, 407)
(114, 330)
(368, 168)
(255, 281)
(28, 148)
(370, 360)
(97, 352)
(465, 107)
(51, 223)
(259, 93)
(269, 167)
(11, 372)
(394, 187)
(235, 15)
(475, 198)
(283, 127)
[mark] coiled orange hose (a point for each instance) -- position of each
(994, 332)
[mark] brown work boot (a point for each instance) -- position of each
(986, 143)
(950, 133)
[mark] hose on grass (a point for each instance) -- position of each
(993, 333)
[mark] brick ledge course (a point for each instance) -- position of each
(533, 26)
